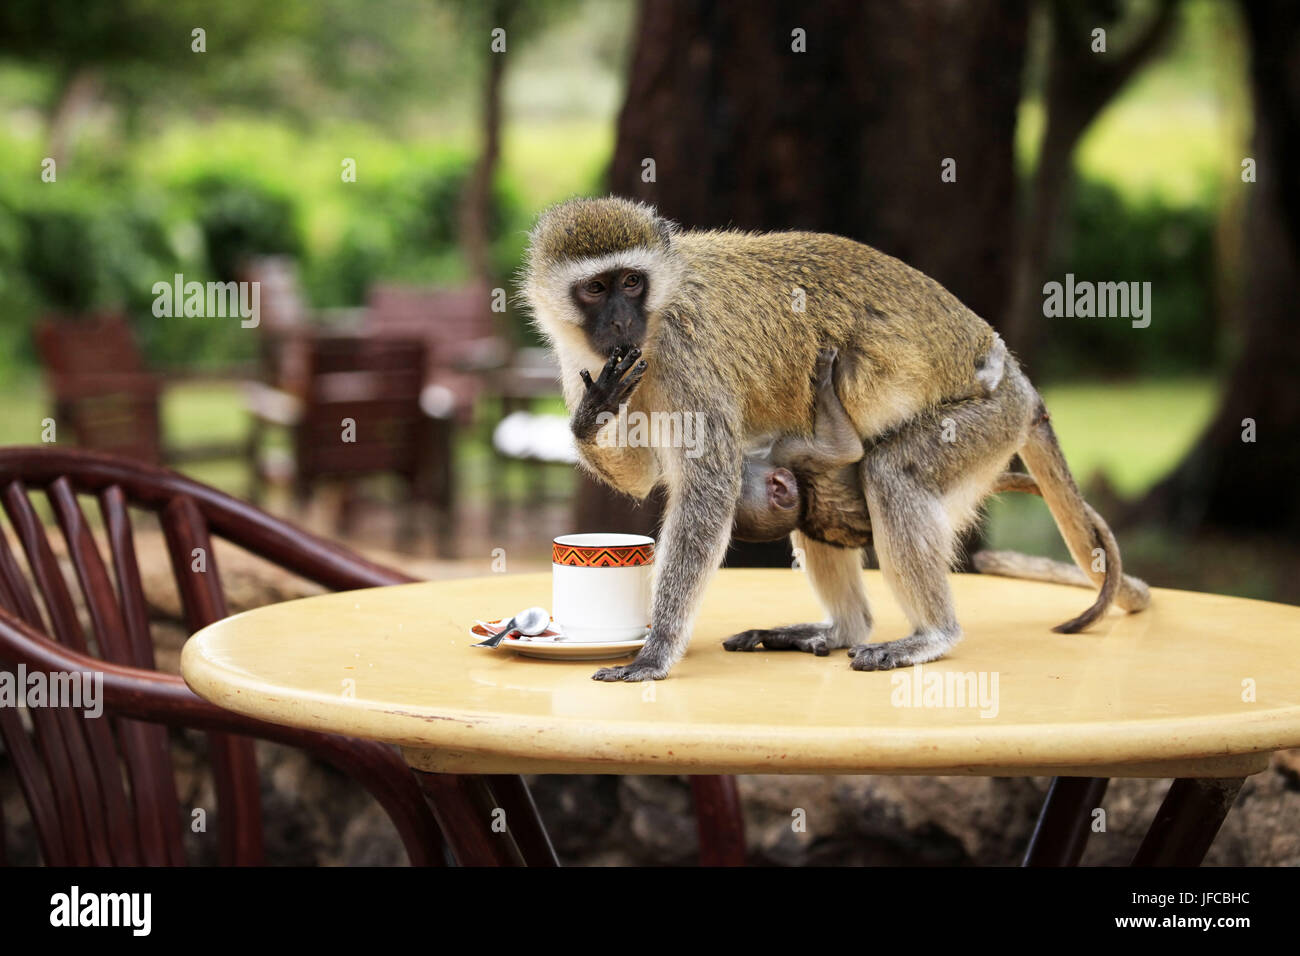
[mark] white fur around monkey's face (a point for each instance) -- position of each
(602, 268)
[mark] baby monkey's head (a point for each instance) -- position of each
(770, 506)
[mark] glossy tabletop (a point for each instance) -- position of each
(1197, 685)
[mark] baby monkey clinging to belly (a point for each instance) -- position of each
(812, 484)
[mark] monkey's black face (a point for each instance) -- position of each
(613, 309)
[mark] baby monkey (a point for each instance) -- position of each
(808, 483)
(811, 484)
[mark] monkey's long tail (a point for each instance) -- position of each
(1080, 525)
(1133, 593)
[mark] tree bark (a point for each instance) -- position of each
(476, 203)
(847, 137)
(77, 93)
(1228, 483)
(1079, 85)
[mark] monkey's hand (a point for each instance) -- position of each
(612, 388)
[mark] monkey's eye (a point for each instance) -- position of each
(632, 280)
(594, 287)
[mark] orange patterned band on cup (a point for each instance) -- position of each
(603, 556)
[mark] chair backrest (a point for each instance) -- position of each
(284, 319)
(362, 412)
(281, 301)
(457, 322)
(96, 344)
(103, 792)
(103, 394)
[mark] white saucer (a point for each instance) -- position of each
(551, 645)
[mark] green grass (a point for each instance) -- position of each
(1133, 432)
(23, 401)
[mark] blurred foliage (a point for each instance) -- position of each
(1178, 128)
(79, 245)
(1114, 238)
(171, 160)
(295, 58)
(404, 226)
(240, 219)
(183, 162)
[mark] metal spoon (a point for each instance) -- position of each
(531, 622)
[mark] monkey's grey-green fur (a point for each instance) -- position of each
(733, 323)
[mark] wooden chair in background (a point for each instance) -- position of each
(103, 394)
(458, 326)
(108, 399)
(357, 412)
(102, 791)
(528, 438)
(463, 341)
(285, 319)
(374, 386)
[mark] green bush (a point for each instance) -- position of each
(407, 228)
(80, 249)
(1113, 240)
(87, 249)
(61, 257)
(18, 301)
(240, 219)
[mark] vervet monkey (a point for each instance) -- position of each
(811, 484)
(728, 324)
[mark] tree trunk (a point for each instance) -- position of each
(1079, 85)
(476, 203)
(1227, 482)
(848, 137)
(77, 94)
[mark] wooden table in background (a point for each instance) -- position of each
(1199, 687)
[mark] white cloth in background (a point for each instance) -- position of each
(540, 437)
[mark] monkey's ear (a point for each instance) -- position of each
(782, 489)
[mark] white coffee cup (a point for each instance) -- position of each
(600, 586)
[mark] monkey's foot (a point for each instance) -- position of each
(816, 639)
(918, 648)
(636, 671)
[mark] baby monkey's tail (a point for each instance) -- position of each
(1132, 594)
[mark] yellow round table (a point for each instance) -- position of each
(1198, 687)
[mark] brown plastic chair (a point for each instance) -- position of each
(103, 394)
(71, 768)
